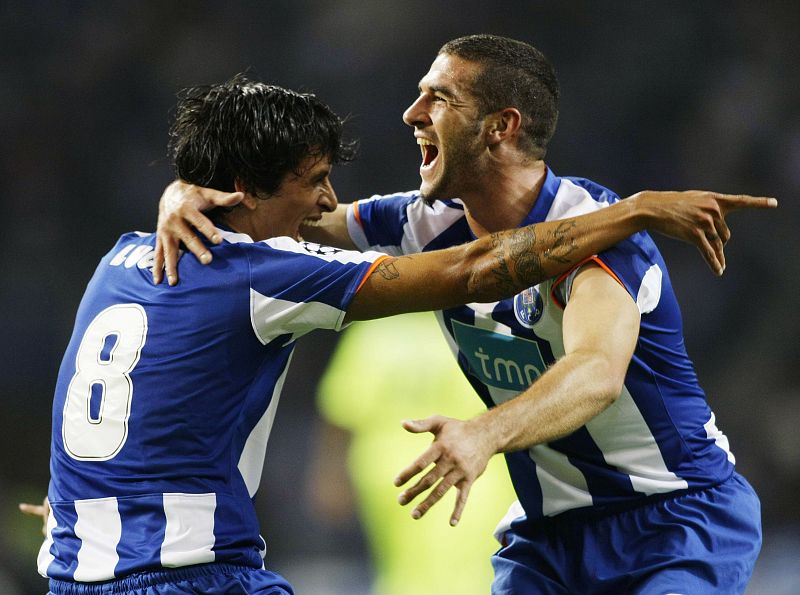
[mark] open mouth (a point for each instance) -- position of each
(307, 222)
(429, 152)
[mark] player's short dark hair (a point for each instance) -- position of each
(251, 132)
(513, 74)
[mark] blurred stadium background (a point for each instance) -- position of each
(655, 95)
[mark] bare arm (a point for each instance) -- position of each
(694, 216)
(601, 325)
(331, 230)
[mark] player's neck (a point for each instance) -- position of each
(502, 199)
(237, 221)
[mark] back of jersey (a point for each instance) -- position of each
(158, 394)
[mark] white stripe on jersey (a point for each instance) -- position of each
(572, 200)
(484, 320)
(358, 236)
(189, 534)
(234, 237)
(251, 461)
(423, 227)
(287, 244)
(650, 290)
(719, 438)
(627, 443)
(44, 558)
(272, 317)
(99, 528)
(515, 511)
(559, 495)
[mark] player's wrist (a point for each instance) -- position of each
(639, 210)
(491, 431)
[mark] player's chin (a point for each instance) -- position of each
(431, 192)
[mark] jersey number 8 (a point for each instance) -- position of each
(95, 429)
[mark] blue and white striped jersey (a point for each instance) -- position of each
(659, 436)
(166, 396)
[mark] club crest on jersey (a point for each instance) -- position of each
(528, 307)
(319, 249)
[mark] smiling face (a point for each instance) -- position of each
(448, 127)
(299, 200)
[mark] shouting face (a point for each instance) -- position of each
(447, 126)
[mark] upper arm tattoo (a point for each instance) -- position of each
(387, 270)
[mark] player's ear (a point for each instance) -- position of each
(502, 125)
(249, 201)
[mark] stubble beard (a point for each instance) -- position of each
(462, 164)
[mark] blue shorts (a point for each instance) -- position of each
(206, 579)
(698, 542)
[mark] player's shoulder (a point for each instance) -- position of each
(284, 251)
(411, 199)
(578, 195)
(406, 197)
(597, 191)
(132, 247)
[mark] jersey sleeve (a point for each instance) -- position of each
(406, 224)
(634, 263)
(298, 287)
(380, 222)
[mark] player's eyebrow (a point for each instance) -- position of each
(433, 88)
(321, 174)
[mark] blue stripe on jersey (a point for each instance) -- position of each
(66, 544)
(602, 480)
(456, 234)
(391, 217)
(544, 202)
(141, 526)
(313, 280)
(523, 471)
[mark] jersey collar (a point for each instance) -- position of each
(545, 199)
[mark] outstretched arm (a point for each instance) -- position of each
(504, 263)
(694, 216)
(600, 327)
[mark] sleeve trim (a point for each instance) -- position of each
(593, 259)
(369, 271)
(356, 214)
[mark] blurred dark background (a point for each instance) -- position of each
(655, 95)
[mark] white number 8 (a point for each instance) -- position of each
(108, 352)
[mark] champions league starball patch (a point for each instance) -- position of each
(528, 307)
(313, 248)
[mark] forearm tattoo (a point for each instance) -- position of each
(501, 272)
(520, 254)
(564, 243)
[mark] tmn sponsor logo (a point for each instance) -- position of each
(501, 361)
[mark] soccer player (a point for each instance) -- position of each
(166, 395)
(625, 483)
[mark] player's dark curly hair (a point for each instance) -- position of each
(251, 132)
(513, 74)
